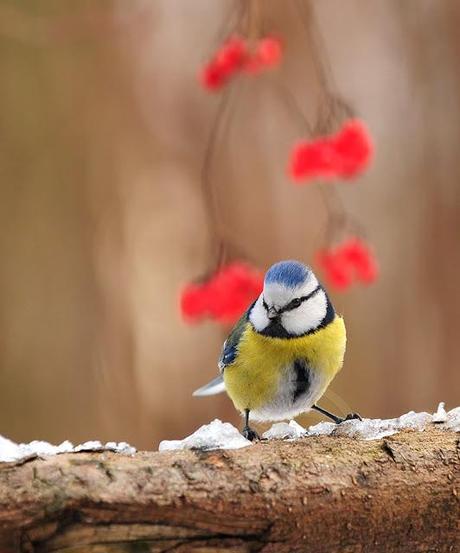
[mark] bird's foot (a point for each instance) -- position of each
(350, 417)
(250, 434)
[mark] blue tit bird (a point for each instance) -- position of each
(285, 350)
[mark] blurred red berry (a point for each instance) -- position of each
(269, 51)
(340, 156)
(367, 272)
(312, 160)
(361, 258)
(227, 61)
(234, 56)
(212, 78)
(194, 302)
(353, 147)
(233, 288)
(224, 297)
(231, 56)
(335, 268)
(348, 261)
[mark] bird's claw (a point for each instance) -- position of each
(351, 417)
(250, 434)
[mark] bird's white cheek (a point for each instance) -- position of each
(306, 317)
(258, 316)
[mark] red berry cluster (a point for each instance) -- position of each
(351, 260)
(224, 297)
(235, 56)
(343, 155)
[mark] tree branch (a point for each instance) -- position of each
(321, 494)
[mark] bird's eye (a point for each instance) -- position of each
(295, 303)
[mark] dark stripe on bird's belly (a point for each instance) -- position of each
(302, 379)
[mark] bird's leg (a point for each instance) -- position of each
(335, 418)
(248, 432)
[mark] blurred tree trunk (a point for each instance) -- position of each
(96, 220)
(103, 129)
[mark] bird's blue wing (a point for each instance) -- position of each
(230, 347)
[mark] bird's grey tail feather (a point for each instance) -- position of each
(216, 386)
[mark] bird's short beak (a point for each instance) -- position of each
(272, 313)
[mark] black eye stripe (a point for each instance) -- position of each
(296, 302)
(290, 306)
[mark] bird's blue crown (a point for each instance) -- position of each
(288, 273)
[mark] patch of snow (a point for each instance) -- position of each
(13, 452)
(92, 445)
(453, 420)
(120, 447)
(9, 451)
(413, 420)
(43, 449)
(321, 429)
(372, 429)
(284, 430)
(96, 445)
(215, 435)
(367, 429)
(219, 435)
(440, 415)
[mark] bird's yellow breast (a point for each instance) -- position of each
(253, 378)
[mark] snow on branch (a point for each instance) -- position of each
(219, 435)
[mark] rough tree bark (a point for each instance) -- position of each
(318, 494)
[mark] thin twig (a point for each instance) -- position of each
(207, 184)
(332, 108)
(331, 199)
(293, 105)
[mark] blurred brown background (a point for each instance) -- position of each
(103, 128)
